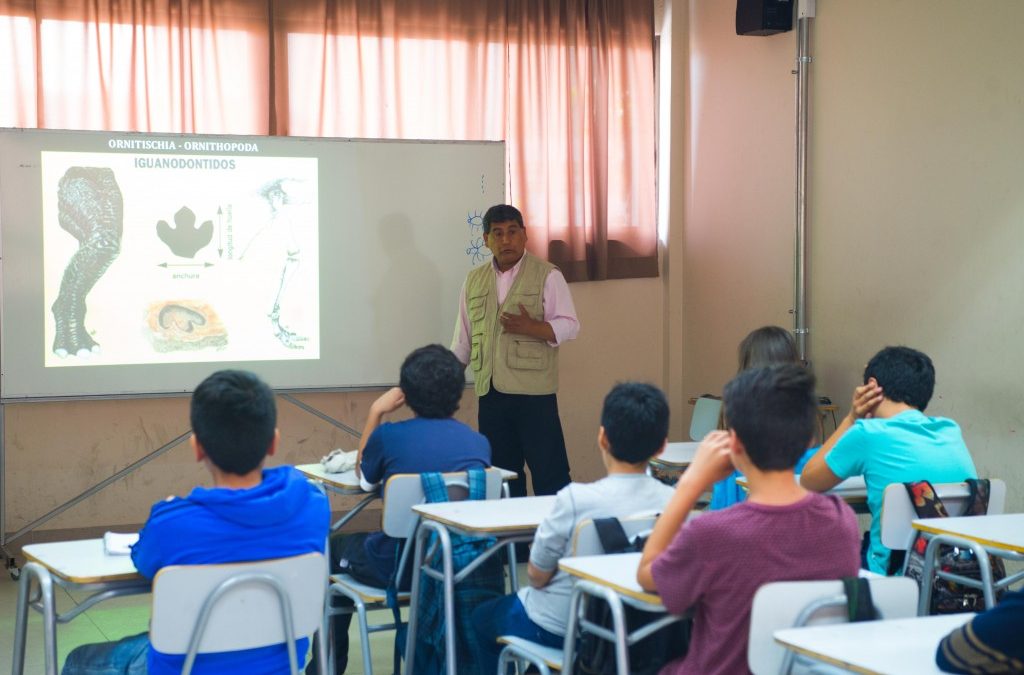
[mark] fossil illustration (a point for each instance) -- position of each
(90, 208)
(181, 325)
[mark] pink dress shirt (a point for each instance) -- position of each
(558, 309)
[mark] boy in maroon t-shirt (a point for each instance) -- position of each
(782, 532)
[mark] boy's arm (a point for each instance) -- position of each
(389, 401)
(539, 578)
(710, 464)
(817, 476)
(551, 542)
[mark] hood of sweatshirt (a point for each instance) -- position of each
(279, 497)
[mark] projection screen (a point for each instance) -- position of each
(140, 263)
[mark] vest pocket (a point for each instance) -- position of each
(529, 355)
(475, 307)
(475, 356)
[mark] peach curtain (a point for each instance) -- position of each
(567, 84)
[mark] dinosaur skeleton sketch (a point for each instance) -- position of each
(278, 199)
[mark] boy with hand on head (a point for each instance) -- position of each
(431, 383)
(250, 513)
(715, 563)
(887, 438)
(634, 428)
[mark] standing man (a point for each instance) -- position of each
(514, 313)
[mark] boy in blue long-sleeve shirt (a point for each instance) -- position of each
(250, 513)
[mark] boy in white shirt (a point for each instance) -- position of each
(634, 428)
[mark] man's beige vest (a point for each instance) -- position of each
(516, 364)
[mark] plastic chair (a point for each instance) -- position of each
(585, 541)
(898, 512)
(790, 604)
(398, 520)
(231, 607)
(707, 414)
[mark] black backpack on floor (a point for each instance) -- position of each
(595, 655)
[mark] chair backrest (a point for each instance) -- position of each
(707, 412)
(247, 615)
(898, 512)
(405, 490)
(585, 540)
(777, 605)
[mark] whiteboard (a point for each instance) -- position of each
(141, 263)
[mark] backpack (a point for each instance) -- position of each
(949, 597)
(484, 583)
(595, 655)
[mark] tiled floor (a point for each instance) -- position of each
(119, 617)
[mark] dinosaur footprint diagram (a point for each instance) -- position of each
(184, 238)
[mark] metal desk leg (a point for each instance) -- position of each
(928, 572)
(513, 571)
(414, 598)
(45, 605)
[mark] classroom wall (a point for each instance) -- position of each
(916, 206)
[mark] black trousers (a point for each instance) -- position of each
(525, 429)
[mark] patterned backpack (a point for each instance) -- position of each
(949, 597)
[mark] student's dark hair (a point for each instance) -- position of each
(773, 410)
(432, 379)
(766, 346)
(502, 213)
(904, 374)
(234, 418)
(635, 421)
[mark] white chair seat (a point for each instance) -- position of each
(551, 656)
(369, 594)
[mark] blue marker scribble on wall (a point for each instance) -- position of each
(477, 252)
(475, 220)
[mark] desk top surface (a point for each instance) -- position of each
(82, 562)
(898, 646)
(1003, 531)
(677, 455)
(617, 571)
(347, 482)
(491, 516)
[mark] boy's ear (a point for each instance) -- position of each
(273, 442)
(602, 439)
(736, 446)
(197, 448)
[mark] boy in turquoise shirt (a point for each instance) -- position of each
(887, 438)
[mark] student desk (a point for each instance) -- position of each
(999, 535)
(509, 521)
(346, 483)
(889, 647)
(667, 466)
(75, 565)
(853, 491)
(611, 577)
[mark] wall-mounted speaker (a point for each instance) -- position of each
(763, 17)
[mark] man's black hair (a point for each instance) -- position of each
(635, 421)
(502, 213)
(774, 411)
(432, 379)
(904, 374)
(234, 418)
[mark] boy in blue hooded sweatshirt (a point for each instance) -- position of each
(250, 513)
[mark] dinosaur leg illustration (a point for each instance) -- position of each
(286, 337)
(90, 208)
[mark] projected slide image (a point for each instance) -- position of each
(179, 258)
